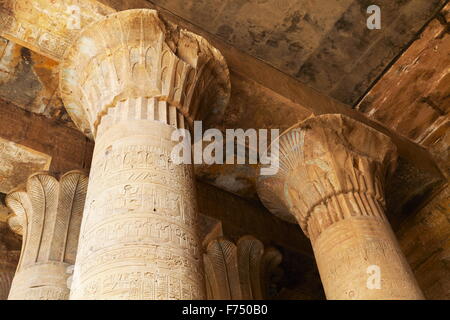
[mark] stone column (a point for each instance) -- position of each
(9, 257)
(331, 181)
(48, 216)
(129, 81)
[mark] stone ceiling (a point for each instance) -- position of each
(327, 46)
(398, 76)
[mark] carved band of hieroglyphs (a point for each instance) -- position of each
(147, 229)
(156, 199)
(139, 162)
(153, 285)
(129, 89)
(331, 181)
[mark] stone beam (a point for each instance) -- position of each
(67, 147)
(252, 79)
(238, 218)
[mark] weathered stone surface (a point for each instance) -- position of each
(4, 211)
(331, 180)
(413, 96)
(71, 150)
(238, 218)
(261, 93)
(327, 46)
(9, 257)
(425, 240)
(47, 213)
(30, 81)
(67, 147)
(412, 99)
(9, 59)
(32, 22)
(331, 49)
(173, 68)
(17, 162)
(263, 97)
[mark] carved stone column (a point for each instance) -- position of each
(331, 180)
(48, 216)
(9, 257)
(129, 81)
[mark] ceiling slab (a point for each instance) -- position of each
(327, 46)
(413, 96)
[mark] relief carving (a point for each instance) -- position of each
(148, 68)
(331, 181)
(47, 213)
(239, 271)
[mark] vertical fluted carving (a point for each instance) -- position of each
(331, 181)
(239, 271)
(48, 215)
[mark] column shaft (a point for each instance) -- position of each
(139, 235)
(349, 248)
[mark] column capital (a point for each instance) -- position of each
(328, 160)
(156, 69)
